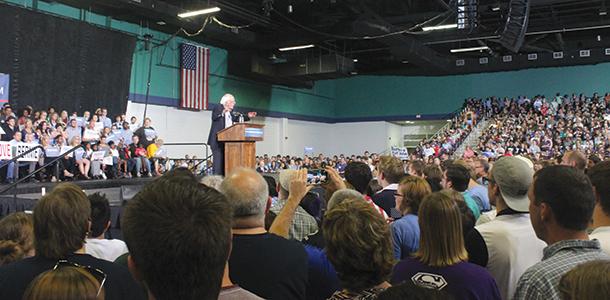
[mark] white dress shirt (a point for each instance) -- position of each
(228, 119)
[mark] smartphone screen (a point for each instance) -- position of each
(316, 176)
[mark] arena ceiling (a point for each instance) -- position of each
(380, 37)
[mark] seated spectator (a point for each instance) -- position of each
(303, 224)
(457, 177)
(138, 162)
(156, 156)
(61, 223)
(16, 238)
(90, 133)
(67, 282)
(390, 172)
(405, 231)
(80, 158)
(181, 273)
(409, 291)
(441, 261)
(574, 159)
(561, 208)
(507, 245)
(96, 244)
(260, 262)
(600, 179)
(587, 281)
(359, 246)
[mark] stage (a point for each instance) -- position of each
(118, 191)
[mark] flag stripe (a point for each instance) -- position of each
(194, 65)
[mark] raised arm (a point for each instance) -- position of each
(297, 190)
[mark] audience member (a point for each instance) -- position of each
(405, 231)
(61, 223)
(507, 245)
(16, 237)
(96, 244)
(389, 174)
(213, 181)
(359, 176)
(600, 179)
(69, 282)
(561, 207)
(457, 177)
(434, 176)
(264, 263)
(574, 159)
(185, 215)
(303, 224)
(359, 246)
(588, 281)
(441, 261)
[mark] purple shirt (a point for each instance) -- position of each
(462, 280)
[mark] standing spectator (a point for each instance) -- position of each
(263, 263)
(405, 231)
(507, 245)
(359, 176)
(96, 244)
(73, 130)
(9, 128)
(389, 174)
(574, 159)
(590, 280)
(359, 246)
(61, 222)
(16, 238)
(457, 177)
(600, 178)
(146, 133)
(561, 207)
(441, 261)
(67, 282)
(303, 224)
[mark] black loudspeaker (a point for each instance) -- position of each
(516, 25)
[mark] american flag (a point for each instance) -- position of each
(194, 67)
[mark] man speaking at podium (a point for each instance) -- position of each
(223, 116)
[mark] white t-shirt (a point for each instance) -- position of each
(602, 234)
(109, 250)
(512, 248)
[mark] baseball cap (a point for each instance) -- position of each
(286, 177)
(514, 175)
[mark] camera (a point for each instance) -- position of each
(316, 176)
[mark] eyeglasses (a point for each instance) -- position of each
(398, 195)
(95, 272)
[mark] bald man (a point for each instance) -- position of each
(268, 265)
(223, 116)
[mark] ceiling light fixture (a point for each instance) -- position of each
(296, 47)
(439, 27)
(469, 49)
(495, 8)
(199, 12)
(355, 60)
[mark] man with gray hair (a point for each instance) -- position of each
(303, 224)
(263, 263)
(213, 181)
(507, 245)
(223, 116)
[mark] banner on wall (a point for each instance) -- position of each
(4, 85)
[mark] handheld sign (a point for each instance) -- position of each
(400, 152)
(21, 148)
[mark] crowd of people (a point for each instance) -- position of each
(463, 229)
(111, 148)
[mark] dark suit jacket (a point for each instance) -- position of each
(8, 132)
(386, 200)
(218, 124)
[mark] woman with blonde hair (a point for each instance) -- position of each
(588, 281)
(70, 282)
(405, 231)
(441, 261)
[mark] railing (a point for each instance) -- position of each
(205, 159)
(14, 184)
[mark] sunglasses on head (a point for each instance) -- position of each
(95, 272)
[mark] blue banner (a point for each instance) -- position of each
(4, 81)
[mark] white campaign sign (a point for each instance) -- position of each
(21, 148)
(6, 151)
(400, 152)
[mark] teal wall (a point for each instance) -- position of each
(407, 96)
(316, 102)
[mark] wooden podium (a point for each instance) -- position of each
(240, 145)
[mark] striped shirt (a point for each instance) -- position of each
(377, 207)
(541, 280)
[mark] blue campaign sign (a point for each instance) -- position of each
(4, 81)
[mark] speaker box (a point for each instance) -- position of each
(516, 25)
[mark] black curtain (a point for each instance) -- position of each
(63, 63)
